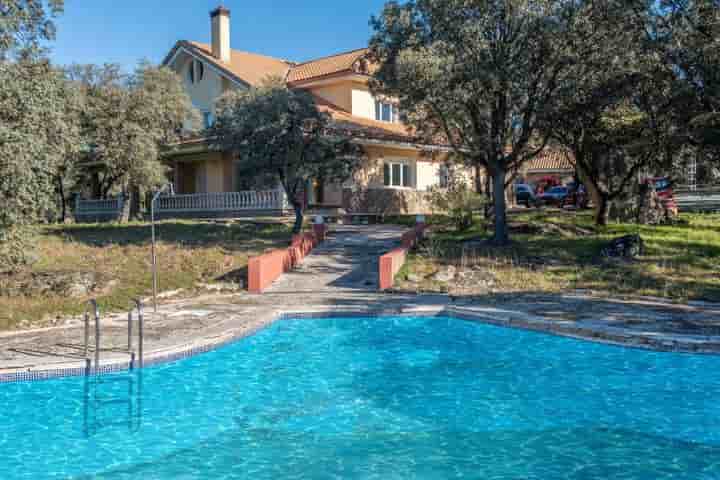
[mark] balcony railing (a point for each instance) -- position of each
(95, 210)
(274, 200)
(698, 197)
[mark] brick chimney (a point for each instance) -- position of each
(220, 22)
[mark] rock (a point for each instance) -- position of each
(171, 293)
(414, 278)
(70, 284)
(220, 287)
(445, 275)
(627, 247)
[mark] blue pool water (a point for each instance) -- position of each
(384, 398)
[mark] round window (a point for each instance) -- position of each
(191, 72)
(199, 71)
(196, 71)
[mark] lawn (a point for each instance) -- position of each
(556, 251)
(190, 253)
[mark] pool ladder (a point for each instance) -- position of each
(102, 392)
(92, 308)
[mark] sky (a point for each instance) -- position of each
(126, 31)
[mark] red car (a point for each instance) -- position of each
(663, 187)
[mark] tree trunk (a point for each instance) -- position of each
(134, 199)
(599, 197)
(602, 210)
(127, 200)
(297, 228)
(501, 233)
(63, 201)
(478, 179)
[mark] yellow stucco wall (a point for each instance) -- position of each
(339, 94)
(424, 168)
(363, 102)
(354, 97)
(204, 93)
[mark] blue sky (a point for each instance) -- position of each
(111, 31)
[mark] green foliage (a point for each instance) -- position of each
(128, 120)
(618, 106)
(688, 38)
(25, 23)
(458, 201)
(476, 73)
(38, 129)
(278, 132)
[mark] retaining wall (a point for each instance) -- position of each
(391, 263)
(265, 269)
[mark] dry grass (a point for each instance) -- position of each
(682, 262)
(189, 253)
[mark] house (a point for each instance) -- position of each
(551, 162)
(397, 170)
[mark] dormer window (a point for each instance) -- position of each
(386, 112)
(196, 71)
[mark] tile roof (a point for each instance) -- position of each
(250, 68)
(322, 67)
(550, 159)
(344, 122)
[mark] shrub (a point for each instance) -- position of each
(458, 201)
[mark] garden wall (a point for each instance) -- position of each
(391, 263)
(265, 269)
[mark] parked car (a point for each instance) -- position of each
(577, 196)
(525, 195)
(555, 196)
(664, 188)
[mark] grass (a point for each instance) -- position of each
(189, 253)
(556, 251)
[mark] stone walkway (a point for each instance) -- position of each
(341, 276)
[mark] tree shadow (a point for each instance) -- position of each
(233, 236)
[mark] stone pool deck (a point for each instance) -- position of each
(340, 276)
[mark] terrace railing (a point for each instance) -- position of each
(271, 200)
(107, 209)
(698, 197)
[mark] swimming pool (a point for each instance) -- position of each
(388, 397)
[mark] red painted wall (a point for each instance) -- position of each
(265, 269)
(391, 263)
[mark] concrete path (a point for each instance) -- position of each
(341, 277)
(347, 262)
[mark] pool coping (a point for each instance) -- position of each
(616, 336)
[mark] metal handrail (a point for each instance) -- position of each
(141, 324)
(137, 306)
(93, 304)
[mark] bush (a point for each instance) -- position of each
(16, 248)
(458, 201)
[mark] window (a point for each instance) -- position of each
(196, 71)
(386, 112)
(208, 119)
(444, 174)
(396, 174)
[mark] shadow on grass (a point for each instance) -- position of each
(671, 267)
(244, 235)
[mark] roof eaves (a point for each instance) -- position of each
(325, 76)
(326, 57)
(214, 63)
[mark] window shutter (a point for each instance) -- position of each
(386, 112)
(406, 175)
(386, 172)
(377, 110)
